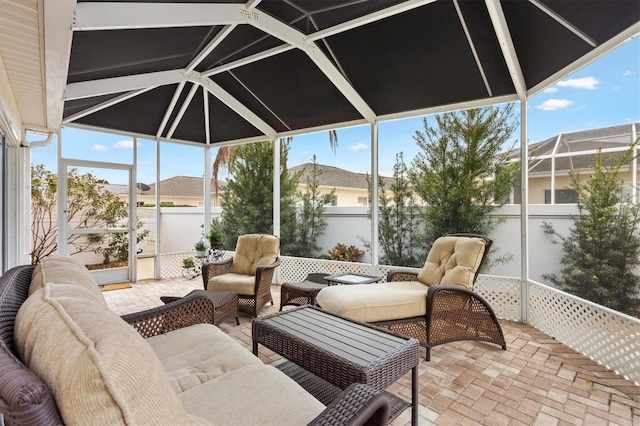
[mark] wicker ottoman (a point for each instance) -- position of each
(225, 305)
(302, 293)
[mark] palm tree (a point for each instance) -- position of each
(225, 156)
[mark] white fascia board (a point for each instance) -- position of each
(506, 45)
(88, 89)
(232, 103)
(294, 37)
(595, 54)
(118, 16)
(58, 19)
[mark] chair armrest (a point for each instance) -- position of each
(264, 276)
(189, 310)
(359, 404)
(213, 269)
(400, 275)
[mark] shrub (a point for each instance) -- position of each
(344, 253)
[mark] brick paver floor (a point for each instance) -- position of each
(536, 381)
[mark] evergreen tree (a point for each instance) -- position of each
(460, 173)
(398, 218)
(603, 245)
(311, 223)
(247, 206)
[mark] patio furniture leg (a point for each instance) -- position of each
(414, 396)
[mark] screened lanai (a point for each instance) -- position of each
(211, 73)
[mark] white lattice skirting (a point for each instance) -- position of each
(607, 337)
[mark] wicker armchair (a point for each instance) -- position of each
(249, 273)
(440, 308)
(453, 312)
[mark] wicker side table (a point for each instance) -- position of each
(302, 293)
(225, 304)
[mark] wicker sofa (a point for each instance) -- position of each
(66, 358)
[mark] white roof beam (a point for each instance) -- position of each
(209, 48)
(232, 103)
(183, 110)
(120, 16)
(87, 89)
(169, 111)
(506, 45)
(294, 37)
(472, 47)
(367, 19)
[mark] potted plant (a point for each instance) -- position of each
(188, 262)
(201, 247)
(215, 234)
(345, 253)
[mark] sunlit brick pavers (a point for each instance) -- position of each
(535, 381)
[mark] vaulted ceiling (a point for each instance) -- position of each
(220, 72)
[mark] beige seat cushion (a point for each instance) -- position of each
(453, 261)
(196, 354)
(100, 370)
(253, 395)
(234, 283)
(375, 302)
(64, 269)
(253, 250)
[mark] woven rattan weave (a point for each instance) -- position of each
(225, 304)
(339, 350)
(302, 293)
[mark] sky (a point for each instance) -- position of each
(602, 94)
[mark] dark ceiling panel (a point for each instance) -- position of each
(410, 61)
(600, 20)
(238, 91)
(543, 46)
(327, 13)
(226, 125)
(142, 114)
(116, 53)
(296, 91)
(78, 105)
(478, 21)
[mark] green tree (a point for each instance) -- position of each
(89, 205)
(398, 220)
(310, 222)
(460, 172)
(247, 205)
(603, 245)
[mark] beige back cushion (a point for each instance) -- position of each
(100, 370)
(254, 250)
(453, 261)
(64, 269)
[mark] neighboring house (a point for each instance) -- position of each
(181, 191)
(351, 189)
(583, 145)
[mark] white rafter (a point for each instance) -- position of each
(472, 47)
(564, 22)
(105, 86)
(232, 103)
(506, 45)
(182, 110)
(169, 111)
(106, 104)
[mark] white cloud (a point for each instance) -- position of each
(550, 90)
(305, 153)
(628, 73)
(590, 83)
(554, 104)
(358, 147)
(125, 145)
(386, 173)
(99, 148)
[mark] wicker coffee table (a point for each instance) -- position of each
(225, 304)
(328, 353)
